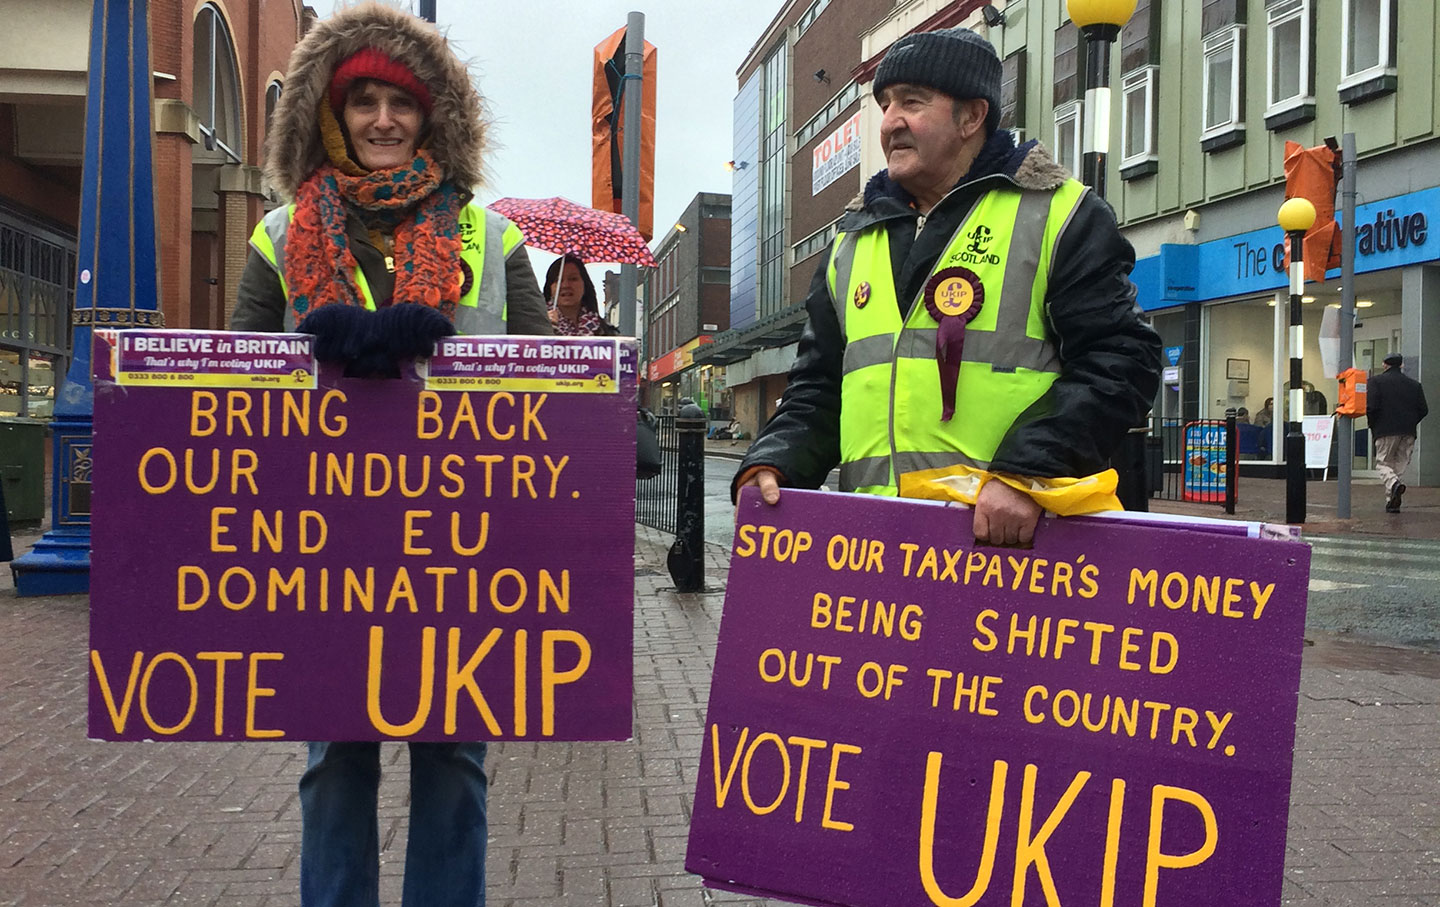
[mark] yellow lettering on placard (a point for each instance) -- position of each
(254, 691)
(1155, 858)
(220, 659)
(551, 679)
(426, 685)
(930, 797)
(194, 683)
(119, 714)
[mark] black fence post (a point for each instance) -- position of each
(1132, 485)
(1232, 461)
(6, 552)
(687, 556)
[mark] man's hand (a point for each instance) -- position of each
(1004, 516)
(768, 481)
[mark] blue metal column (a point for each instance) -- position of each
(118, 283)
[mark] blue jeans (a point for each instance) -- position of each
(340, 849)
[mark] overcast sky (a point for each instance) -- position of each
(533, 60)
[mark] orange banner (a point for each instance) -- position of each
(607, 126)
(1310, 174)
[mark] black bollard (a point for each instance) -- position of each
(687, 556)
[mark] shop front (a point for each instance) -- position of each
(673, 376)
(1222, 311)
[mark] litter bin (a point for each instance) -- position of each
(22, 469)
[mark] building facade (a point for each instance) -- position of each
(218, 68)
(1205, 95)
(687, 302)
(797, 163)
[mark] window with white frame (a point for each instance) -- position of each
(1288, 53)
(1367, 40)
(1067, 136)
(1222, 91)
(1137, 116)
(1139, 92)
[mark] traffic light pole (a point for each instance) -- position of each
(1346, 429)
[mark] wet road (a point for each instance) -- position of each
(1380, 591)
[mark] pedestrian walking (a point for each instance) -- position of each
(377, 144)
(1394, 406)
(974, 319)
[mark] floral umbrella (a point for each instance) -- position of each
(561, 226)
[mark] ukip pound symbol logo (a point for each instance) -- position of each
(862, 294)
(977, 250)
(954, 296)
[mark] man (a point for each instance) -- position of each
(1394, 404)
(974, 316)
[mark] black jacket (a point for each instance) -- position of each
(1394, 404)
(1110, 357)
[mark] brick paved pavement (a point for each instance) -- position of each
(600, 824)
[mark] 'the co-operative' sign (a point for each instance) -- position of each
(837, 155)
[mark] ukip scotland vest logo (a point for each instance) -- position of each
(977, 250)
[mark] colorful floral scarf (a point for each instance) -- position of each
(588, 327)
(411, 202)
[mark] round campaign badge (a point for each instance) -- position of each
(467, 278)
(954, 292)
(862, 294)
(953, 297)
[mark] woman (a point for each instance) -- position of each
(376, 142)
(574, 310)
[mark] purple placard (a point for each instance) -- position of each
(576, 366)
(152, 358)
(465, 562)
(873, 739)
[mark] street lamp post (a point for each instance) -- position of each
(1099, 21)
(1295, 217)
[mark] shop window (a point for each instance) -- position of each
(1067, 136)
(1223, 89)
(1289, 70)
(1367, 50)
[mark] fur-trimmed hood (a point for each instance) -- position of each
(455, 128)
(1028, 166)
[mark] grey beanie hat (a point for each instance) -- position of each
(955, 61)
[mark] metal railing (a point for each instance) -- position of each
(1193, 461)
(657, 499)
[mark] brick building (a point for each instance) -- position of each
(797, 155)
(217, 71)
(687, 301)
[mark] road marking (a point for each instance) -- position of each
(1325, 585)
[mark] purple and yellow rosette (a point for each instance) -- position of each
(953, 297)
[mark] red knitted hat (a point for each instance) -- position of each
(371, 63)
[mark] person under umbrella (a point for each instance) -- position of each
(574, 309)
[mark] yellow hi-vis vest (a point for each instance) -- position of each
(891, 403)
(487, 239)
